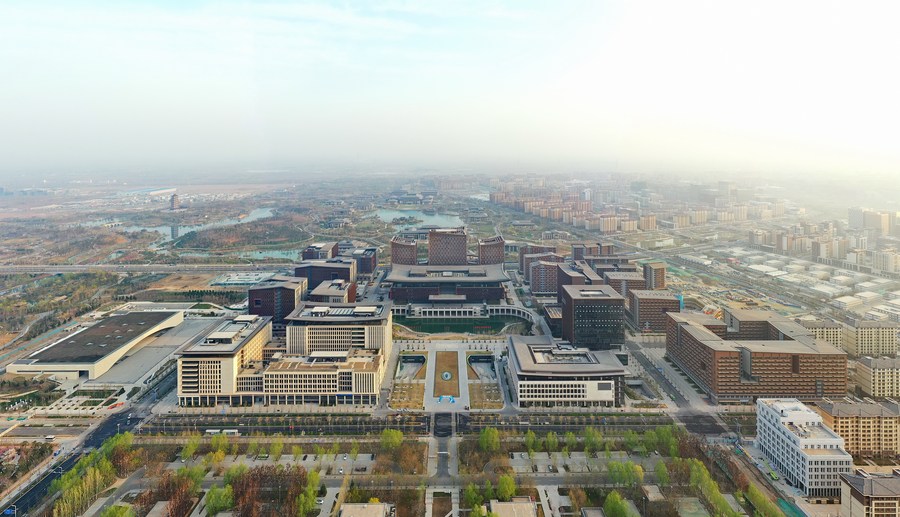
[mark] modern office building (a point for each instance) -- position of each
(830, 331)
(796, 442)
(545, 374)
(754, 354)
(492, 250)
(647, 309)
(593, 316)
(229, 366)
(874, 338)
(532, 249)
(447, 247)
(404, 251)
(339, 327)
(866, 494)
(91, 351)
(334, 291)
(320, 251)
(366, 260)
(276, 297)
(869, 429)
(878, 377)
(447, 284)
(575, 273)
(624, 281)
(655, 274)
(318, 271)
(530, 259)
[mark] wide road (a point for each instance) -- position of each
(138, 268)
(38, 492)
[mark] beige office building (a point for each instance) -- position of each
(316, 327)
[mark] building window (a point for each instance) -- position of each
(795, 364)
(257, 302)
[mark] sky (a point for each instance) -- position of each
(763, 87)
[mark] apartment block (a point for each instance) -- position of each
(866, 494)
(869, 429)
(878, 377)
(874, 338)
(655, 274)
(532, 249)
(830, 331)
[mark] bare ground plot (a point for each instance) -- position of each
(446, 362)
(408, 370)
(179, 282)
(442, 505)
(408, 395)
(480, 370)
(485, 396)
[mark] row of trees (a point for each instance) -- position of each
(506, 489)
(93, 473)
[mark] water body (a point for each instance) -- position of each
(442, 220)
(172, 232)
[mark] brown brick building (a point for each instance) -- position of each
(276, 297)
(575, 273)
(655, 275)
(755, 354)
(447, 247)
(624, 281)
(647, 309)
(532, 249)
(404, 251)
(492, 250)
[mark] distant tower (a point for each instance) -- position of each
(174, 204)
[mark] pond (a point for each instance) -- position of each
(172, 232)
(442, 220)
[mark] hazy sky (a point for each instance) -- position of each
(792, 87)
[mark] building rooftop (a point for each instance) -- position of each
(364, 510)
(279, 281)
(331, 288)
(819, 324)
(592, 292)
(874, 485)
(880, 363)
(648, 294)
(859, 409)
(313, 313)
(229, 336)
(803, 422)
(406, 274)
(357, 359)
(518, 507)
(539, 355)
(101, 339)
(623, 275)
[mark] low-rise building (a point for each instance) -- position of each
(545, 374)
(334, 291)
(516, 507)
(796, 442)
(365, 510)
(870, 495)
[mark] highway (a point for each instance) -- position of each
(138, 268)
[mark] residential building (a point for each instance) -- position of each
(584, 249)
(869, 429)
(404, 251)
(531, 258)
(491, 250)
(593, 316)
(544, 277)
(870, 495)
(276, 297)
(878, 377)
(545, 374)
(874, 338)
(830, 331)
(754, 354)
(796, 442)
(647, 309)
(623, 281)
(447, 247)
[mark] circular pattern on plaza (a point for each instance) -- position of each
(446, 376)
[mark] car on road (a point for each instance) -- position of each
(320, 501)
(345, 456)
(340, 471)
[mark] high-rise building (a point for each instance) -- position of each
(315, 327)
(366, 260)
(878, 377)
(647, 309)
(174, 203)
(320, 251)
(830, 331)
(584, 249)
(796, 442)
(754, 354)
(528, 260)
(624, 281)
(447, 247)
(404, 251)
(532, 249)
(491, 250)
(575, 273)
(655, 274)
(593, 316)
(543, 277)
(276, 298)
(869, 429)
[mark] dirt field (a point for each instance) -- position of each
(442, 505)
(180, 282)
(6, 337)
(485, 396)
(408, 395)
(446, 362)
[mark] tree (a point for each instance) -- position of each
(530, 438)
(190, 448)
(552, 441)
(579, 499)
(118, 511)
(391, 439)
(506, 487)
(614, 506)
(296, 452)
(489, 440)
(354, 450)
(471, 496)
(571, 441)
(489, 490)
(662, 473)
(219, 442)
(252, 447)
(276, 449)
(234, 472)
(219, 499)
(592, 440)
